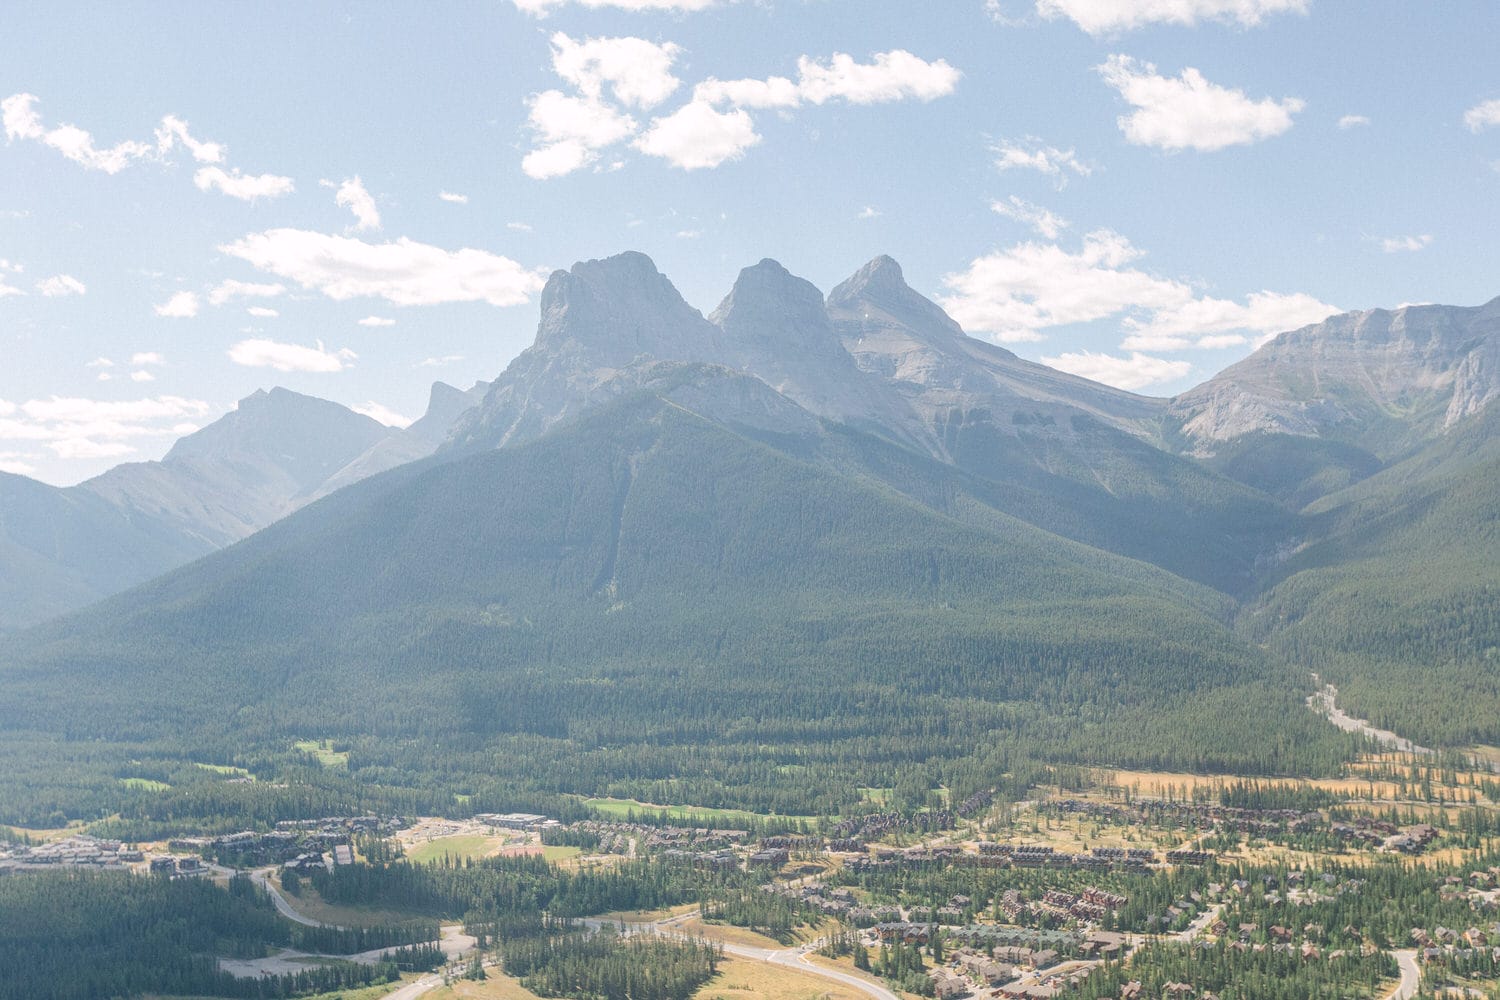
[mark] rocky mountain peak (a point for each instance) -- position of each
(877, 296)
(771, 309)
(619, 309)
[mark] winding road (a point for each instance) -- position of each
(455, 943)
(1411, 976)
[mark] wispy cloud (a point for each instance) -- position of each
(1482, 116)
(260, 353)
(353, 196)
(60, 285)
(1405, 244)
(1104, 17)
(541, 8)
(80, 428)
(1034, 154)
(1136, 371)
(1043, 222)
(403, 272)
(382, 414)
(245, 187)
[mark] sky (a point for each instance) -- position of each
(356, 200)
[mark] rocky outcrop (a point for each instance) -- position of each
(1383, 380)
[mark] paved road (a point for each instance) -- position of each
(1411, 976)
(262, 878)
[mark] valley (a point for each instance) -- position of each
(819, 645)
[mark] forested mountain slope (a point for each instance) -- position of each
(646, 587)
(1396, 595)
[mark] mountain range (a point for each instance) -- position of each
(670, 554)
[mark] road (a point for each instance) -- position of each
(1411, 976)
(262, 878)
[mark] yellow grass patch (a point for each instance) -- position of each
(743, 979)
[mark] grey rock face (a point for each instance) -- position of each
(250, 467)
(445, 406)
(1382, 379)
(897, 334)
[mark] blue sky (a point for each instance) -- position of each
(1137, 190)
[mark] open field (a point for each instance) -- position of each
(739, 979)
(145, 784)
(470, 846)
(496, 987)
(225, 769)
(730, 934)
(325, 753)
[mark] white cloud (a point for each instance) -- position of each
(869, 212)
(1018, 293)
(353, 196)
(377, 321)
(98, 363)
(16, 463)
(1034, 217)
(142, 375)
(456, 199)
(520, 227)
(246, 187)
(714, 126)
(638, 72)
(1188, 112)
(774, 92)
(1033, 154)
(540, 8)
(404, 272)
(890, 76)
(570, 131)
(698, 136)
(1353, 121)
(182, 305)
(1406, 244)
(60, 285)
(174, 130)
(1483, 115)
(259, 353)
(1099, 17)
(1209, 323)
(1135, 372)
(226, 291)
(439, 362)
(89, 428)
(689, 234)
(382, 414)
(147, 358)
(261, 312)
(23, 122)
(8, 289)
